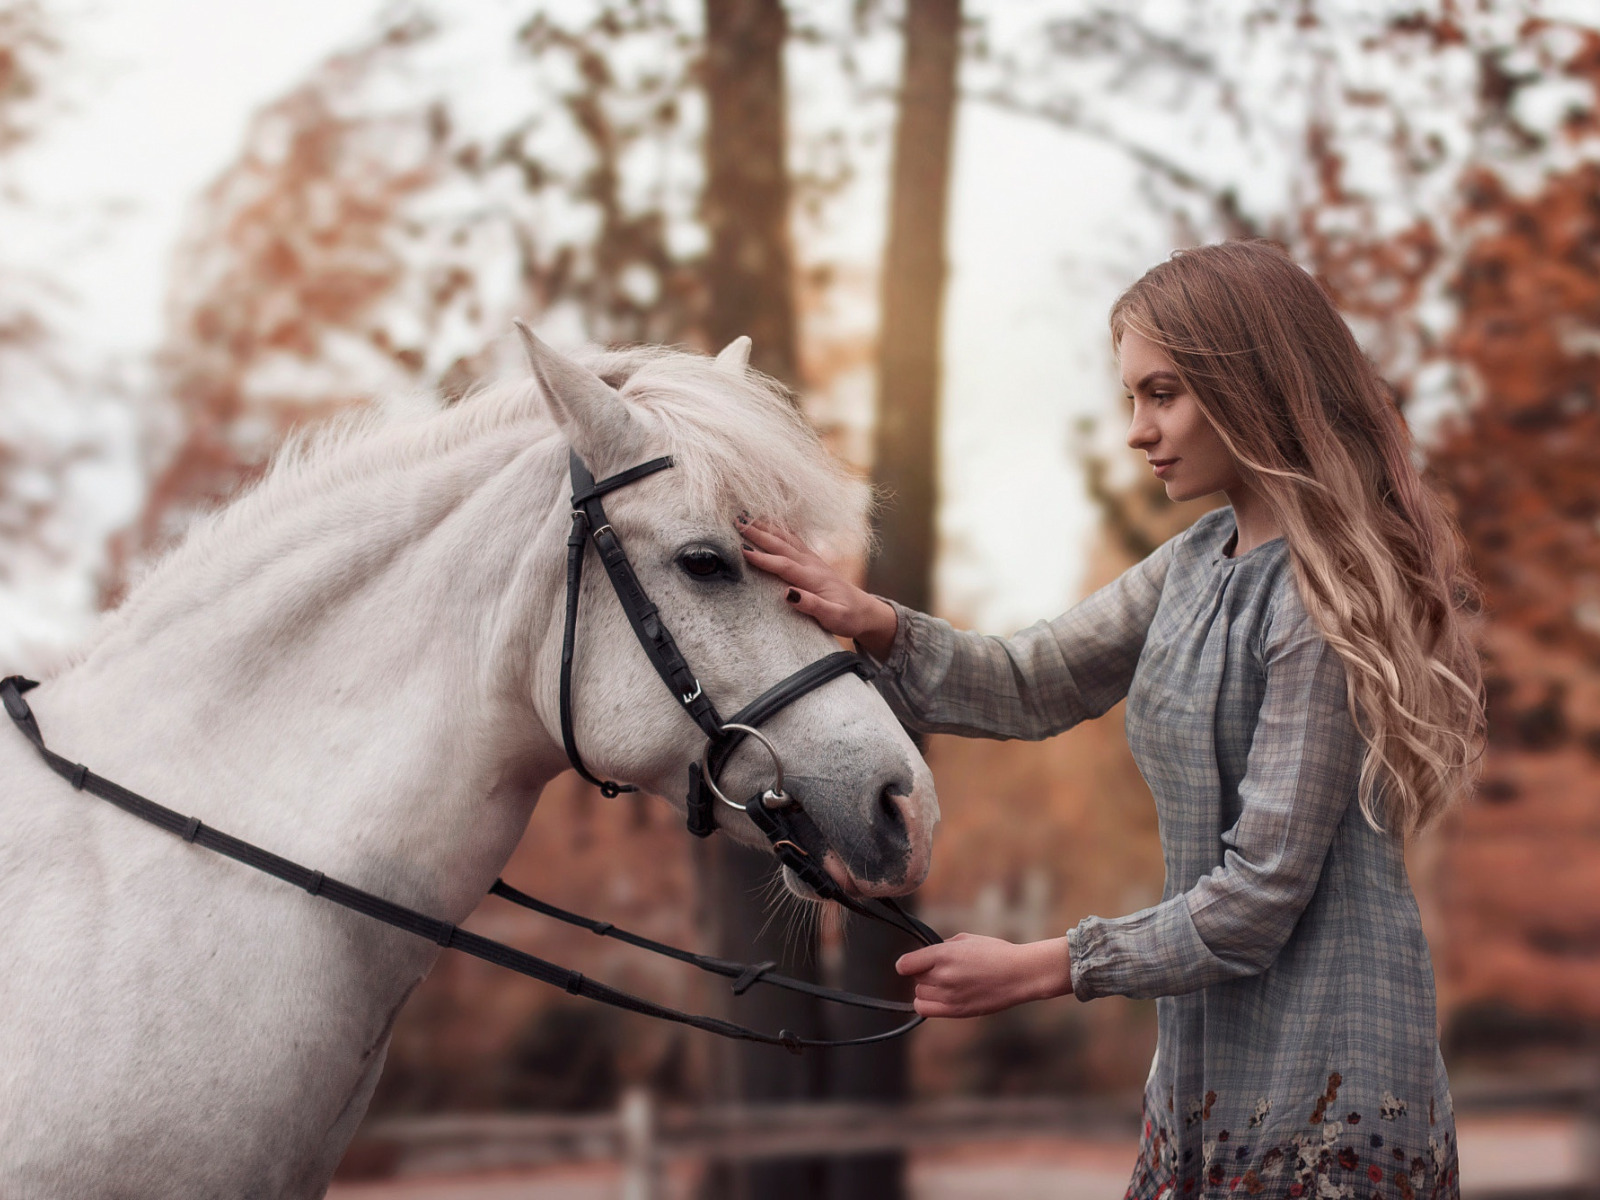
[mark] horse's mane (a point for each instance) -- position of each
(738, 439)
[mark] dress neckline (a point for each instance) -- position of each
(1225, 552)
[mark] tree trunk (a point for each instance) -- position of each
(751, 282)
(746, 203)
(905, 449)
(905, 464)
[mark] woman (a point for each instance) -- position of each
(1302, 694)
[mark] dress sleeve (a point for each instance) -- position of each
(1035, 683)
(1300, 780)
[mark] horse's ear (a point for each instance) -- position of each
(735, 356)
(595, 419)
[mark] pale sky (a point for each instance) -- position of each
(158, 95)
(160, 92)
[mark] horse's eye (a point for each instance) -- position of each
(702, 564)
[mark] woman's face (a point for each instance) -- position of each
(1168, 426)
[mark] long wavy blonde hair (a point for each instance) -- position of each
(1380, 563)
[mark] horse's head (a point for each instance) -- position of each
(738, 446)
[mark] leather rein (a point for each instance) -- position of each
(795, 838)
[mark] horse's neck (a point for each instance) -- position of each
(346, 683)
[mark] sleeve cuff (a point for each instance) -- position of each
(894, 663)
(1083, 943)
(1154, 952)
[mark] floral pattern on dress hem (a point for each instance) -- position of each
(1332, 1158)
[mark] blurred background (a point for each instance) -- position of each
(224, 221)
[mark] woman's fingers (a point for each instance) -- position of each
(917, 961)
(818, 589)
(782, 557)
(773, 547)
(971, 976)
(785, 568)
(835, 618)
(931, 1000)
(775, 542)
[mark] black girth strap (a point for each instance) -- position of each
(443, 933)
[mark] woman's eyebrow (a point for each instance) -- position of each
(1157, 377)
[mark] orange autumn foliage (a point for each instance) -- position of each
(1519, 894)
(276, 316)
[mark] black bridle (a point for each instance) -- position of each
(795, 839)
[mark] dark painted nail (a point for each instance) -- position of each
(744, 518)
(746, 546)
(793, 597)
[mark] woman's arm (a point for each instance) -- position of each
(1299, 784)
(938, 679)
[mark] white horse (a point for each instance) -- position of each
(356, 667)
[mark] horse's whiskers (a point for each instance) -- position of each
(802, 917)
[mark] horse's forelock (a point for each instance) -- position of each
(741, 442)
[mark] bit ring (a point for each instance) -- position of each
(775, 791)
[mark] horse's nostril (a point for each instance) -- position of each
(889, 805)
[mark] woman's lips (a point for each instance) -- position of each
(1162, 466)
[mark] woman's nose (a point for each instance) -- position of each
(1141, 432)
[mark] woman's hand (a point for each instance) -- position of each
(972, 976)
(819, 591)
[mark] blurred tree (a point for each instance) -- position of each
(750, 281)
(69, 468)
(380, 228)
(278, 313)
(750, 269)
(34, 457)
(905, 444)
(25, 47)
(905, 467)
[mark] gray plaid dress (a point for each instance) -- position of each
(1297, 1052)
